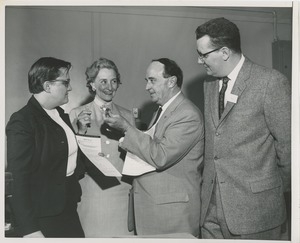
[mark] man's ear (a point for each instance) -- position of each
(226, 52)
(172, 81)
(46, 86)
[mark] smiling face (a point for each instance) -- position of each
(60, 87)
(213, 61)
(157, 85)
(106, 84)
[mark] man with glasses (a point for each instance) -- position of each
(247, 140)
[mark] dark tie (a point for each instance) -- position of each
(222, 95)
(156, 116)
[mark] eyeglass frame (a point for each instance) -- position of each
(204, 56)
(65, 82)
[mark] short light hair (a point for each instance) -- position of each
(93, 70)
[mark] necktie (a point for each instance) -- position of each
(222, 95)
(156, 116)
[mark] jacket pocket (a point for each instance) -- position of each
(264, 184)
(171, 198)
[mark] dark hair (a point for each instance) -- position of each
(222, 32)
(45, 69)
(92, 71)
(171, 69)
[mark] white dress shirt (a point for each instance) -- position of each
(72, 143)
(232, 76)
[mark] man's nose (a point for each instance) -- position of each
(148, 85)
(69, 87)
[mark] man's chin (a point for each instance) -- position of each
(154, 100)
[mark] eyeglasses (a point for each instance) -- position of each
(65, 82)
(204, 55)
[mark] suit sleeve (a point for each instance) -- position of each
(179, 137)
(277, 109)
(20, 152)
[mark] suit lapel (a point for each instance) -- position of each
(170, 110)
(239, 86)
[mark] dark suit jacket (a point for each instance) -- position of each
(249, 149)
(37, 154)
(168, 200)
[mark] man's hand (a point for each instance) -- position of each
(117, 122)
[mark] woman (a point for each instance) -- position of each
(103, 210)
(42, 156)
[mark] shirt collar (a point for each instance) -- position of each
(101, 102)
(234, 73)
(165, 106)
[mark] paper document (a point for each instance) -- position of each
(91, 147)
(134, 166)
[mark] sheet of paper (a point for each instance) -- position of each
(135, 166)
(91, 147)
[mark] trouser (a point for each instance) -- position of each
(67, 223)
(215, 226)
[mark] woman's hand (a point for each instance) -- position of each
(84, 121)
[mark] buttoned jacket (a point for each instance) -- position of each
(168, 199)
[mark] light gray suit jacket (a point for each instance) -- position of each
(168, 200)
(249, 149)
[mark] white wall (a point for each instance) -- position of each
(131, 37)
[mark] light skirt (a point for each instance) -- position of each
(103, 213)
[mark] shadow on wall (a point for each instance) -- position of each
(193, 91)
(147, 110)
(87, 100)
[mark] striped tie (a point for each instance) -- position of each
(157, 116)
(222, 95)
